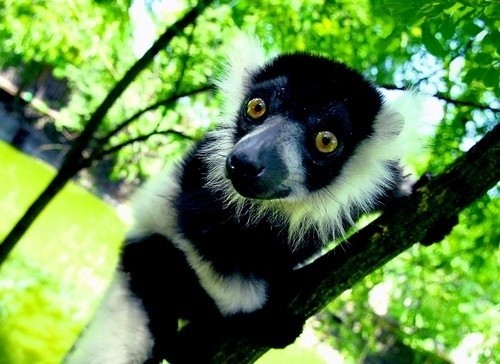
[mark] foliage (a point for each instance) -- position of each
(65, 260)
(55, 35)
(440, 296)
(431, 298)
(436, 296)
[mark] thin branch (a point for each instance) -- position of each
(185, 59)
(165, 102)
(442, 96)
(136, 139)
(416, 84)
(93, 123)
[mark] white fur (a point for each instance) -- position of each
(231, 293)
(154, 213)
(244, 56)
(118, 333)
(151, 205)
(359, 184)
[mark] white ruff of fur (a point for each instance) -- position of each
(361, 181)
(244, 57)
(118, 333)
(364, 176)
(152, 205)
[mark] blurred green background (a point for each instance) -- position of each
(58, 60)
(50, 283)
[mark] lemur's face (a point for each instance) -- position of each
(300, 122)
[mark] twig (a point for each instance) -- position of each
(165, 102)
(441, 96)
(140, 138)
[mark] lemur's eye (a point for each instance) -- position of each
(326, 142)
(256, 108)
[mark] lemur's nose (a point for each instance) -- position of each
(241, 164)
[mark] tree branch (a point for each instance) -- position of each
(433, 203)
(140, 138)
(442, 96)
(165, 102)
(185, 59)
(74, 160)
(93, 123)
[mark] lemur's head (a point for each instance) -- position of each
(301, 119)
(304, 136)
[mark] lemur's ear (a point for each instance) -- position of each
(244, 55)
(396, 127)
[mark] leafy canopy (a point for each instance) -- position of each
(435, 297)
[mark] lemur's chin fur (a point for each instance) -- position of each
(303, 147)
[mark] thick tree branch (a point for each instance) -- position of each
(434, 202)
(74, 160)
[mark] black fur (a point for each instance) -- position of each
(309, 94)
(319, 94)
(230, 241)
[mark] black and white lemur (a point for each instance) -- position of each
(304, 145)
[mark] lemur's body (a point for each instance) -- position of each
(304, 146)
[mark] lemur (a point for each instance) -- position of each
(303, 146)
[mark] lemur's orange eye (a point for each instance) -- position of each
(326, 142)
(256, 108)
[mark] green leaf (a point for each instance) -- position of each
(490, 77)
(491, 10)
(447, 28)
(431, 43)
(483, 59)
(470, 29)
